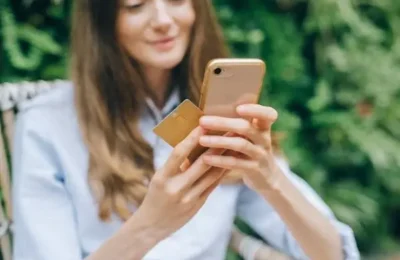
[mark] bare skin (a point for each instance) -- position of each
(157, 33)
(173, 198)
(252, 153)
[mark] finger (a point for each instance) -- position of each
(195, 171)
(265, 116)
(230, 162)
(210, 189)
(185, 165)
(236, 125)
(235, 154)
(237, 144)
(181, 152)
(211, 179)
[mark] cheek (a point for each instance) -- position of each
(190, 19)
(187, 17)
(128, 30)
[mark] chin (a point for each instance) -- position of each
(167, 62)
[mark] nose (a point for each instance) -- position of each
(162, 19)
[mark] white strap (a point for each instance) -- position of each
(248, 248)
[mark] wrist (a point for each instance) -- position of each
(284, 197)
(145, 231)
(275, 192)
(273, 183)
(132, 241)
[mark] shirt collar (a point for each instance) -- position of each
(172, 102)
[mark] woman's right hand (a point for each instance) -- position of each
(174, 196)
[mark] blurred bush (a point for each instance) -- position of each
(333, 75)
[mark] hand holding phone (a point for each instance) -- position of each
(227, 84)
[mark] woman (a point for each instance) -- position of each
(93, 182)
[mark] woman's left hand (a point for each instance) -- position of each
(249, 145)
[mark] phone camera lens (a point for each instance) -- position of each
(218, 71)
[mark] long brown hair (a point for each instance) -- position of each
(109, 94)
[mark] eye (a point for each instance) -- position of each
(133, 5)
(177, 1)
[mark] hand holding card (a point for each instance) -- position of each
(178, 124)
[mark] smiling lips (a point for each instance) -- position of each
(164, 44)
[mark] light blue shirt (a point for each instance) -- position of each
(56, 215)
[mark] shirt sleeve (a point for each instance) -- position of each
(44, 223)
(260, 216)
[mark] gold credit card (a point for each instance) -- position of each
(178, 124)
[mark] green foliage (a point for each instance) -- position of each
(34, 40)
(333, 75)
(334, 78)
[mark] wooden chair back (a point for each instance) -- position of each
(11, 94)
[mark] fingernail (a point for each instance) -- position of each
(204, 120)
(201, 139)
(185, 165)
(239, 108)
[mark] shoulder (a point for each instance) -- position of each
(47, 111)
(58, 96)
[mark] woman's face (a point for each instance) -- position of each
(156, 33)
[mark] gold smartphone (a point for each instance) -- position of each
(227, 83)
(230, 82)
